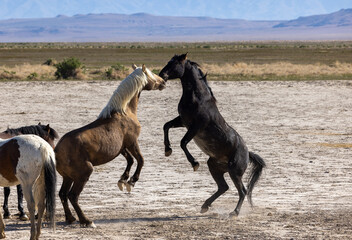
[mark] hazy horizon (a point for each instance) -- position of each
(226, 9)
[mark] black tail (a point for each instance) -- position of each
(50, 189)
(258, 165)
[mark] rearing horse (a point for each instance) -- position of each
(199, 114)
(115, 131)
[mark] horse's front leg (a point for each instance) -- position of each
(126, 174)
(190, 134)
(175, 123)
(2, 227)
(136, 153)
(6, 200)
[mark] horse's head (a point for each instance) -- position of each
(49, 134)
(175, 68)
(154, 81)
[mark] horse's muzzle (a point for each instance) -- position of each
(164, 76)
(162, 86)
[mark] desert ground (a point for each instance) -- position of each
(303, 130)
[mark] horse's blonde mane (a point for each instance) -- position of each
(131, 85)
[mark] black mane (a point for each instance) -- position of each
(203, 77)
(40, 130)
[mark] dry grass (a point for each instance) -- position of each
(27, 71)
(222, 61)
(44, 72)
(278, 69)
(227, 71)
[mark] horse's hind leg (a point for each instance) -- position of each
(126, 174)
(6, 200)
(175, 123)
(136, 152)
(23, 216)
(217, 172)
(77, 187)
(40, 199)
(237, 168)
(28, 194)
(65, 188)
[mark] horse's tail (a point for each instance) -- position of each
(49, 167)
(258, 165)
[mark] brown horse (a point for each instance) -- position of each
(115, 131)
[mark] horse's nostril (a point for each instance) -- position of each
(164, 76)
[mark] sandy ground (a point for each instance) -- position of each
(302, 129)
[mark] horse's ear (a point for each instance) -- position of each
(184, 56)
(134, 66)
(47, 128)
(39, 123)
(144, 68)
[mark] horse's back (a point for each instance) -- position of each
(97, 143)
(23, 156)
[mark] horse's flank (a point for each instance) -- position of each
(10, 154)
(14, 154)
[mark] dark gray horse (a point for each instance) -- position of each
(199, 114)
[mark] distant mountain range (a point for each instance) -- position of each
(142, 27)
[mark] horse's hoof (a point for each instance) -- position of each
(196, 166)
(2, 235)
(234, 213)
(24, 217)
(168, 152)
(120, 184)
(204, 209)
(70, 220)
(88, 225)
(6, 216)
(129, 186)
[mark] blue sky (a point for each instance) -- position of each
(239, 9)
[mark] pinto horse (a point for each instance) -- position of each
(43, 131)
(199, 114)
(115, 131)
(30, 161)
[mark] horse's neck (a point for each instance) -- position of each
(191, 83)
(5, 135)
(133, 104)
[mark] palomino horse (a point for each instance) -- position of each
(199, 114)
(43, 131)
(30, 161)
(115, 131)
